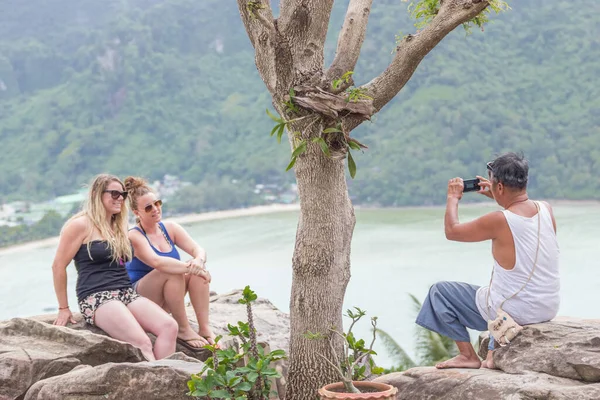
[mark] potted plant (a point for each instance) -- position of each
(355, 367)
(236, 374)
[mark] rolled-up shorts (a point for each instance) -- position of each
(90, 304)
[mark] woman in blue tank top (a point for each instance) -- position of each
(96, 239)
(156, 270)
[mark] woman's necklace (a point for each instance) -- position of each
(161, 231)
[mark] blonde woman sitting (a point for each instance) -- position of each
(157, 271)
(96, 239)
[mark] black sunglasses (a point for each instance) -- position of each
(116, 193)
(157, 203)
(489, 166)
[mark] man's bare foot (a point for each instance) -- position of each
(191, 338)
(460, 361)
(489, 361)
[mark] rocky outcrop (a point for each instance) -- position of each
(157, 380)
(482, 384)
(32, 350)
(42, 361)
(554, 360)
(565, 347)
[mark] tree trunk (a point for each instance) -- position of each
(321, 268)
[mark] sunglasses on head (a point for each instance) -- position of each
(490, 167)
(116, 193)
(149, 207)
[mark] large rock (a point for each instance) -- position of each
(157, 380)
(553, 360)
(564, 347)
(477, 384)
(32, 350)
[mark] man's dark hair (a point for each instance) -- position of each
(511, 169)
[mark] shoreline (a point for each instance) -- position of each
(182, 219)
(270, 209)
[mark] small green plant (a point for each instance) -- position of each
(350, 144)
(431, 347)
(344, 78)
(298, 150)
(254, 6)
(399, 37)
(425, 10)
(290, 106)
(484, 17)
(357, 363)
(280, 125)
(228, 375)
(355, 94)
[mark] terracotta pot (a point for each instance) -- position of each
(377, 391)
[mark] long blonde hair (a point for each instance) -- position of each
(136, 187)
(114, 232)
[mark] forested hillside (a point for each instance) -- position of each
(153, 87)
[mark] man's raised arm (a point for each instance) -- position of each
(483, 228)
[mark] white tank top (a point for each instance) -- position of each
(540, 299)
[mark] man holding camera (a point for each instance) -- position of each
(525, 280)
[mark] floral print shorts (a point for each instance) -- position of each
(90, 304)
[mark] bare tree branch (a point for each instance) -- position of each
(272, 54)
(261, 15)
(350, 41)
(413, 48)
(304, 23)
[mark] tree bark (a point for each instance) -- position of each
(350, 41)
(321, 267)
(289, 52)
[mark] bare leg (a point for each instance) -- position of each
(466, 359)
(115, 319)
(489, 360)
(199, 290)
(155, 320)
(168, 291)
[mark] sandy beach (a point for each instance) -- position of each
(183, 219)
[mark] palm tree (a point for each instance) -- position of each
(431, 346)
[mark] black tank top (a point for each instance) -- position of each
(100, 272)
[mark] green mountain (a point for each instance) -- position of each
(156, 87)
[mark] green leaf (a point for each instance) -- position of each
(351, 165)
(323, 144)
(274, 118)
(235, 381)
(244, 387)
(274, 129)
(331, 130)
(300, 149)
(377, 370)
(252, 377)
(220, 394)
(277, 354)
(280, 132)
(353, 145)
(291, 164)
(350, 337)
